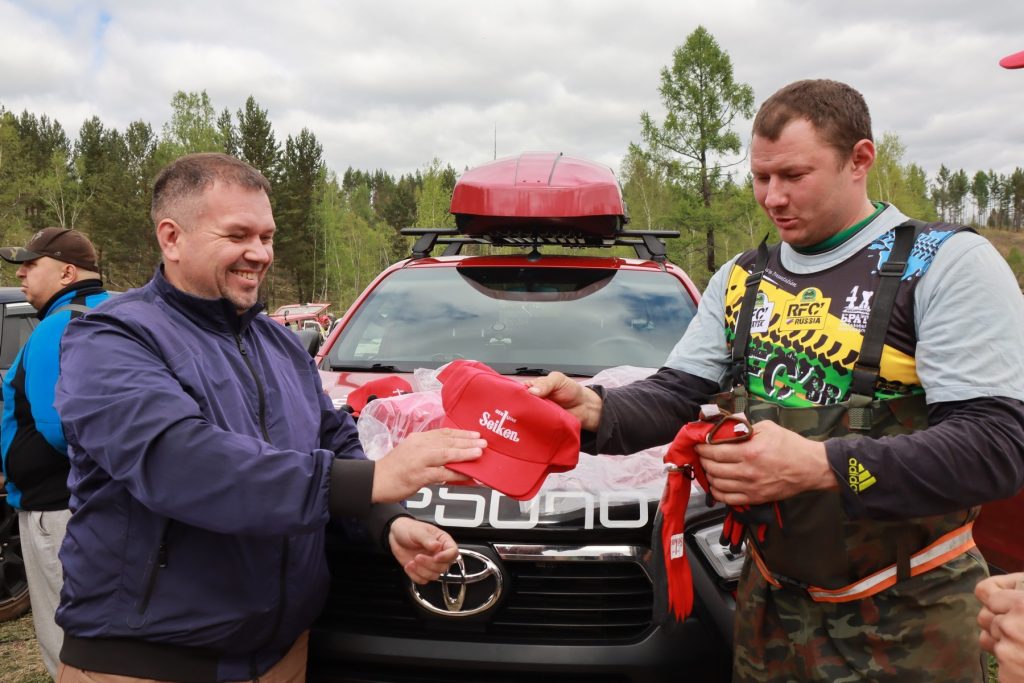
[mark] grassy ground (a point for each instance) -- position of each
(19, 656)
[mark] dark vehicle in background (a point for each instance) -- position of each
(17, 321)
(559, 588)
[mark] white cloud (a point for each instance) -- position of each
(392, 84)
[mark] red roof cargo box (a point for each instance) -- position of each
(539, 192)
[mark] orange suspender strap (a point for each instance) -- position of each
(944, 549)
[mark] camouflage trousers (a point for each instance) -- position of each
(922, 629)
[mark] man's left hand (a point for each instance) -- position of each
(774, 464)
(424, 551)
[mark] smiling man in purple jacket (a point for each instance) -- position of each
(206, 459)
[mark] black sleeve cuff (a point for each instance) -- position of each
(837, 451)
(351, 494)
(589, 440)
(351, 488)
(378, 521)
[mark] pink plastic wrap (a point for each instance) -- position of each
(386, 421)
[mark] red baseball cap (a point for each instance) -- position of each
(1014, 61)
(527, 436)
(392, 385)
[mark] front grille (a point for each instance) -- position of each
(577, 601)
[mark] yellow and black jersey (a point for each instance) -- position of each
(806, 330)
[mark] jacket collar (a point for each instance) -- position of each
(216, 314)
(80, 288)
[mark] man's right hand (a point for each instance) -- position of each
(420, 461)
(583, 403)
(1002, 622)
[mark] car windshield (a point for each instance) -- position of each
(518, 320)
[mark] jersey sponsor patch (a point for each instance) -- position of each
(762, 316)
(807, 311)
(858, 308)
(860, 478)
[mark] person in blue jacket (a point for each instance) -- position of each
(59, 273)
(206, 459)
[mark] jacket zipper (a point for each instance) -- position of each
(259, 388)
(159, 562)
(282, 583)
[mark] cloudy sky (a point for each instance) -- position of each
(390, 84)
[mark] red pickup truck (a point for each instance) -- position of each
(560, 588)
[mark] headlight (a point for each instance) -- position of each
(727, 565)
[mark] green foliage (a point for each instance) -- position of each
(893, 182)
(257, 144)
(1016, 262)
(434, 196)
(300, 237)
(114, 172)
(650, 198)
(981, 194)
(228, 133)
(355, 240)
(335, 234)
(193, 126)
(15, 188)
(701, 100)
(62, 196)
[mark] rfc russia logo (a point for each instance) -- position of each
(808, 311)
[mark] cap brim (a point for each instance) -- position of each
(518, 479)
(1014, 61)
(17, 254)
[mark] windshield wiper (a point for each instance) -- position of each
(537, 372)
(375, 367)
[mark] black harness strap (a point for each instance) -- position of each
(869, 360)
(743, 320)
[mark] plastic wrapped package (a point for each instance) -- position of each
(386, 421)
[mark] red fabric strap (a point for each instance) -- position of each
(685, 467)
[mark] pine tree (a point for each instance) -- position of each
(298, 239)
(228, 132)
(701, 100)
(257, 144)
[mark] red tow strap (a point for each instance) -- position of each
(715, 426)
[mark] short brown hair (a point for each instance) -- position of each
(187, 177)
(836, 110)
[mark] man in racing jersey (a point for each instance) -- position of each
(880, 359)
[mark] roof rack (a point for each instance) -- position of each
(648, 244)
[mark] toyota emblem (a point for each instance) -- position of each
(472, 584)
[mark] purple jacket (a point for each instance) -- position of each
(206, 461)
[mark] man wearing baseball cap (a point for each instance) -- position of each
(59, 275)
